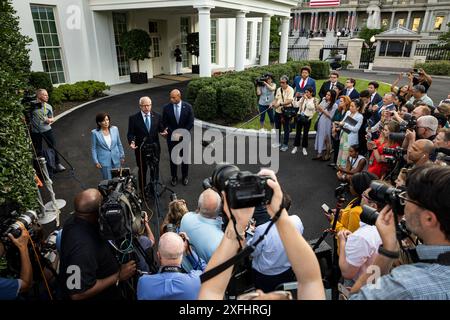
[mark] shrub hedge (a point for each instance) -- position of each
(235, 94)
(79, 91)
(41, 80)
(441, 68)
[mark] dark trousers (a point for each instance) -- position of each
(173, 166)
(279, 119)
(303, 123)
(48, 136)
(336, 143)
(269, 283)
(144, 166)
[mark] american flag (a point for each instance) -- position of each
(324, 3)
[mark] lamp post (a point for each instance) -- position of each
(338, 34)
(372, 41)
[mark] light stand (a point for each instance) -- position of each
(51, 209)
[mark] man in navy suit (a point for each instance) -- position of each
(303, 81)
(177, 114)
(143, 129)
(330, 84)
(350, 90)
(375, 98)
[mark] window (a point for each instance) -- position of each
(185, 28)
(213, 41)
(249, 37)
(401, 22)
(385, 22)
(156, 47)
(120, 26)
(152, 27)
(258, 39)
(416, 24)
(395, 48)
(438, 23)
(48, 42)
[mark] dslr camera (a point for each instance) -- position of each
(259, 82)
(409, 123)
(11, 224)
(394, 154)
(242, 188)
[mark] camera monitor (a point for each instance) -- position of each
(120, 172)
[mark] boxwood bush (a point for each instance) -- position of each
(205, 105)
(79, 91)
(435, 67)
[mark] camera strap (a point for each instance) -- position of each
(442, 259)
(174, 269)
(241, 255)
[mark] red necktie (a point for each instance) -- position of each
(302, 84)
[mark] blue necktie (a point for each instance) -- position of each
(177, 113)
(147, 122)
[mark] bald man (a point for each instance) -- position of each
(177, 114)
(143, 129)
(88, 266)
(419, 152)
(172, 282)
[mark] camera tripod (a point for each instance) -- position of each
(335, 273)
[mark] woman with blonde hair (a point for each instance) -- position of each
(177, 209)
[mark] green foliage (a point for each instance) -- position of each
(275, 39)
(367, 33)
(193, 44)
(205, 106)
(194, 87)
(136, 45)
(17, 184)
(445, 38)
(435, 67)
(79, 91)
(41, 80)
(320, 69)
(237, 104)
(345, 64)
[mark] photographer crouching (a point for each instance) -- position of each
(89, 269)
(11, 288)
(426, 213)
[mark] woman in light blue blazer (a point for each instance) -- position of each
(107, 149)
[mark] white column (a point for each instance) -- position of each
(425, 21)
(284, 39)
(241, 37)
(204, 26)
(265, 40)
(408, 20)
(391, 25)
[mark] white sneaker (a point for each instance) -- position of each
(305, 153)
(262, 130)
(294, 151)
(273, 130)
(284, 148)
(276, 145)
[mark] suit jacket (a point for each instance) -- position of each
(137, 130)
(170, 122)
(309, 83)
(324, 88)
(353, 95)
(103, 154)
(376, 99)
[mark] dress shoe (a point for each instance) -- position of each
(174, 181)
(185, 181)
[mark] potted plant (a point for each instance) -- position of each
(136, 45)
(193, 47)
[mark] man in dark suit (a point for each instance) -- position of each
(375, 98)
(350, 90)
(329, 85)
(177, 114)
(143, 129)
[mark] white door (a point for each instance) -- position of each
(156, 48)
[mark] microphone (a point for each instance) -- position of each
(143, 141)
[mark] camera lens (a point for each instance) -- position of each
(221, 174)
(369, 215)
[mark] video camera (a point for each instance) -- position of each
(243, 188)
(394, 154)
(259, 82)
(11, 224)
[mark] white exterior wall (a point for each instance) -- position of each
(89, 53)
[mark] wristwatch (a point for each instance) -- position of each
(388, 253)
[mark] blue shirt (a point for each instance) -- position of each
(9, 288)
(418, 281)
(169, 286)
(204, 234)
(269, 257)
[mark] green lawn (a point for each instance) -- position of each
(361, 84)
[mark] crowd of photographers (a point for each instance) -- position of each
(392, 233)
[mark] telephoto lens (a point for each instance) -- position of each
(369, 215)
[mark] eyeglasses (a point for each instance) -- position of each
(404, 198)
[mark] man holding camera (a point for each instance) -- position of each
(284, 97)
(427, 216)
(143, 129)
(10, 288)
(88, 267)
(265, 89)
(172, 282)
(420, 95)
(41, 120)
(426, 128)
(421, 78)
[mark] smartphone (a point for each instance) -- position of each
(326, 208)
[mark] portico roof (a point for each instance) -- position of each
(398, 33)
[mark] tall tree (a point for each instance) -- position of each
(17, 185)
(445, 38)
